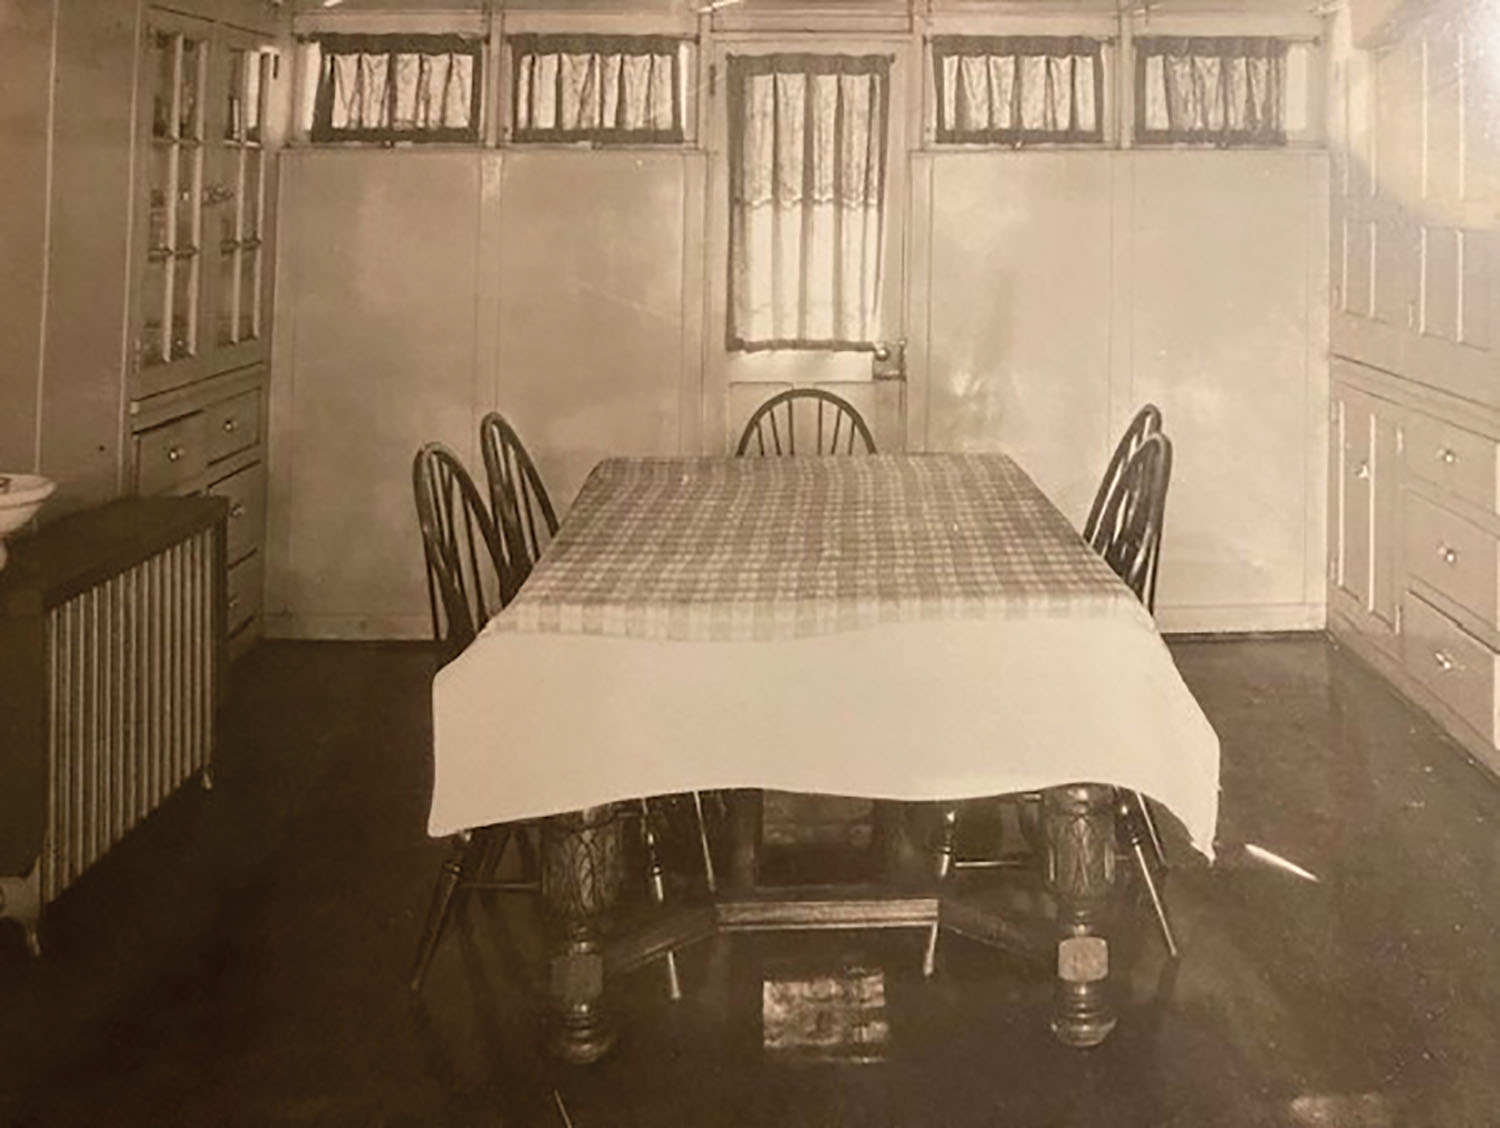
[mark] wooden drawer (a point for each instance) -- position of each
(233, 425)
(1455, 665)
(246, 493)
(170, 455)
(1455, 556)
(243, 592)
(1459, 461)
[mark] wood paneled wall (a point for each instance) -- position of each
(1066, 289)
(418, 291)
(66, 175)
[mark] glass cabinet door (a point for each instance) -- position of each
(169, 345)
(237, 202)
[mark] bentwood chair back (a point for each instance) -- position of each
(468, 573)
(1132, 519)
(1130, 529)
(1147, 421)
(806, 421)
(518, 499)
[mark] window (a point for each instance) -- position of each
(1223, 90)
(807, 171)
(1019, 90)
(605, 89)
(397, 88)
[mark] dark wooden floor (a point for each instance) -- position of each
(242, 958)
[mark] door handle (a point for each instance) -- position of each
(889, 361)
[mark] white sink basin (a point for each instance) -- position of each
(21, 495)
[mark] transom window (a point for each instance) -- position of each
(397, 88)
(1214, 90)
(604, 89)
(1018, 90)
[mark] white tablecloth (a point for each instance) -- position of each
(902, 627)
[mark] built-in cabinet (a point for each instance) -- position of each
(205, 152)
(1414, 567)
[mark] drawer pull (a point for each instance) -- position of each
(234, 601)
(237, 509)
(174, 454)
(231, 425)
(1447, 455)
(1445, 663)
(1362, 471)
(1447, 555)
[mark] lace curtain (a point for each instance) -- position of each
(1018, 89)
(1224, 90)
(807, 165)
(390, 87)
(596, 87)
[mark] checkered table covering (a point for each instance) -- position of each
(718, 549)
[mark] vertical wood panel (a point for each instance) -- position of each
(83, 393)
(26, 31)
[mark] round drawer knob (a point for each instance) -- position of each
(174, 454)
(1447, 555)
(1448, 456)
(237, 509)
(231, 426)
(1444, 662)
(234, 601)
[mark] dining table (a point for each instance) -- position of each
(914, 629)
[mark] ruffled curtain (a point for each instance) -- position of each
(807, 165)
(596, 88)
(387, 85)
(1019, 89)
(1216, 89)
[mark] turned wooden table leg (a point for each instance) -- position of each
(1079, 821)
(582, 871)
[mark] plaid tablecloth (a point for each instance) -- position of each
(899, 627)
(766, 548)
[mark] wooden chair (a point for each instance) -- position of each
(518, 499)
(1131, 528)
(527, 522)
(1125, 527)
(469, 576)
(836, 428)
(1147, 421)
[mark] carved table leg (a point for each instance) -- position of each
(582, 871)
(1079, 824)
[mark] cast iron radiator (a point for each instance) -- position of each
(111, 654)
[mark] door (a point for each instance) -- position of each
(807, 220)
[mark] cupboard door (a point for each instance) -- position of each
(238, 244)
(1366, 478)
(1354, 512)
(169, 342)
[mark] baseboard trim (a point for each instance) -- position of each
(351, 627)
(1250, 618)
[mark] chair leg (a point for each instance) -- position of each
(1150, 820)
(1134, 826)
(1167, 936)
(493, 850)
(946, 836)
(656, 883)
(531, 863)
(708, 858)
(442, 902)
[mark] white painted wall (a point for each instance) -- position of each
(419, 290)
(1066, 289)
